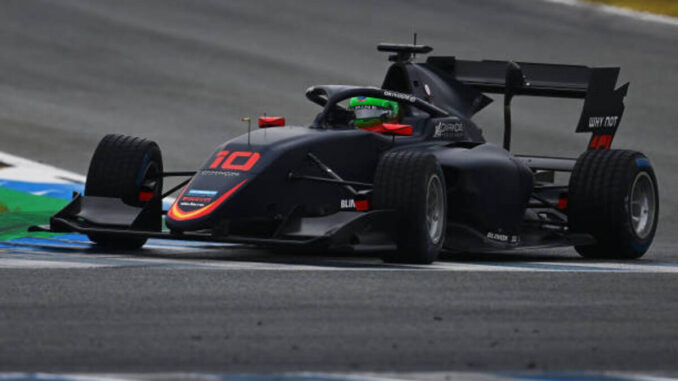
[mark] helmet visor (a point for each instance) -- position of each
(371, 112)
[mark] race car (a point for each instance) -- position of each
(401, 171)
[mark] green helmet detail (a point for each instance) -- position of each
(373, 111)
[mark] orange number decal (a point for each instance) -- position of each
(246, 166)
(219, 159)
(253, 157)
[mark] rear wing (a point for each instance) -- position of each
(603, 102)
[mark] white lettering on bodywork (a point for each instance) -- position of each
(402, 96)
(603, 121)
(448, 129)
(348, 204)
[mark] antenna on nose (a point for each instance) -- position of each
(249, 127)
(414, 42)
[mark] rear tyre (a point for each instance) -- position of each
(125, 167)
(412, 183)
(613, 196)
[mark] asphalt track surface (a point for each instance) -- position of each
(184, 73)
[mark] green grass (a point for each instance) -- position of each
(665, 7)
(19, 210)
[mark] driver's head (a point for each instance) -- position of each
(372, 112)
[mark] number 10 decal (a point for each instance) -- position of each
(226, 159)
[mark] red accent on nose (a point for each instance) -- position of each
(145, 196)
(175, 213)
(271, 121)
(562, 203)
(362, 205)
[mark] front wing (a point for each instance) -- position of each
(344, 230)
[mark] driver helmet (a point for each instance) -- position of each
(370, 113)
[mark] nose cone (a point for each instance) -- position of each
(215, 189)
(247, 178)
(195, 204)
(226, 173)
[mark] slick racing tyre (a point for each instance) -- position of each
(127, 168)
(613, 196)
(412, 184)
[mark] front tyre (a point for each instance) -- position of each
(412, 184)
(128, 168)
(613, 196)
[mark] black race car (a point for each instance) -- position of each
(427, 182)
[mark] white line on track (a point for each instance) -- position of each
(21, 169)
(638, 15)
(12, 263)
(316, 376)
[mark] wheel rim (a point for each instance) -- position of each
(435, 208)
(643, 205)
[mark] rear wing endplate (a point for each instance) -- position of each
(603, 102)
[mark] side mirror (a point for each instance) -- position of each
(397, 129)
